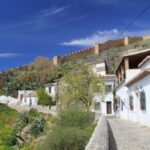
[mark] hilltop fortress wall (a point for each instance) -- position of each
(96, 49)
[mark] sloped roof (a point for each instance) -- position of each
(134, 54)
(31, 94)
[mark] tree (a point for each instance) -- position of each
(11, 87)
(43, 65)
(43, 98)
(79, 87)
(40, 72)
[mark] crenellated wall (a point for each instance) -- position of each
(78, 54)
(96, 49)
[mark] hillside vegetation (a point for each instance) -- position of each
(42, 70)
(8, 119)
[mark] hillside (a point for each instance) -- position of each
(8, 119)
(43, 70)
(113, 55)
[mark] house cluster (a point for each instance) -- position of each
(127, 93)
(105, 106)
(133, 87)
(103, 103)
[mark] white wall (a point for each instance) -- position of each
(26, 99)
(99, 69)
(121, 92)
(137, 114)
(104, 99)
(52, 93)
(130, 73)
(29, 101)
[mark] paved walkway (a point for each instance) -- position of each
(126, 135)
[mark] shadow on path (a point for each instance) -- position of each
(112, 142)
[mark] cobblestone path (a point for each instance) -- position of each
(126, 135)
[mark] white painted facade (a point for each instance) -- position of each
(126, 93)
(108, 98)
(27, 98)
(131, 73)
(99, 68)
(138, 115)
(104, 103)
(121, 92)
(51, 90)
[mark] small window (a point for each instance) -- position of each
(50, 89)
(131, 102)
(108, 88)
(142, 101)
(122, 105)
(97, 106)
(21, 96)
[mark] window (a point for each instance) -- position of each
(142, 101)
(122, 105)
(97, 106)
(21, 96)
(49, 89)
(131, 102)
(108, 88)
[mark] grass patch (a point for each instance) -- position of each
(8, 119)
(74, 117)
(72, 130)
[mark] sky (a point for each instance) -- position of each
(31, 28)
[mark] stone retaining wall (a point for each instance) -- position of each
(100, 137)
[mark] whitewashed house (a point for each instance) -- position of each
(104, 104)
(51, 89)
(27, 98)
(133, 90)
(99, 68)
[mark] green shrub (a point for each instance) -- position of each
(43, 98)
(10, 140)
(5, 148)
(33, 114)
(65, 138)
(22, 121)
(74, 117)
(72, 130)
(8, 119)
(37, 127)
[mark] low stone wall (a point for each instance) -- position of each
(100, 137)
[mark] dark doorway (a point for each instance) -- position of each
(109, 108)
